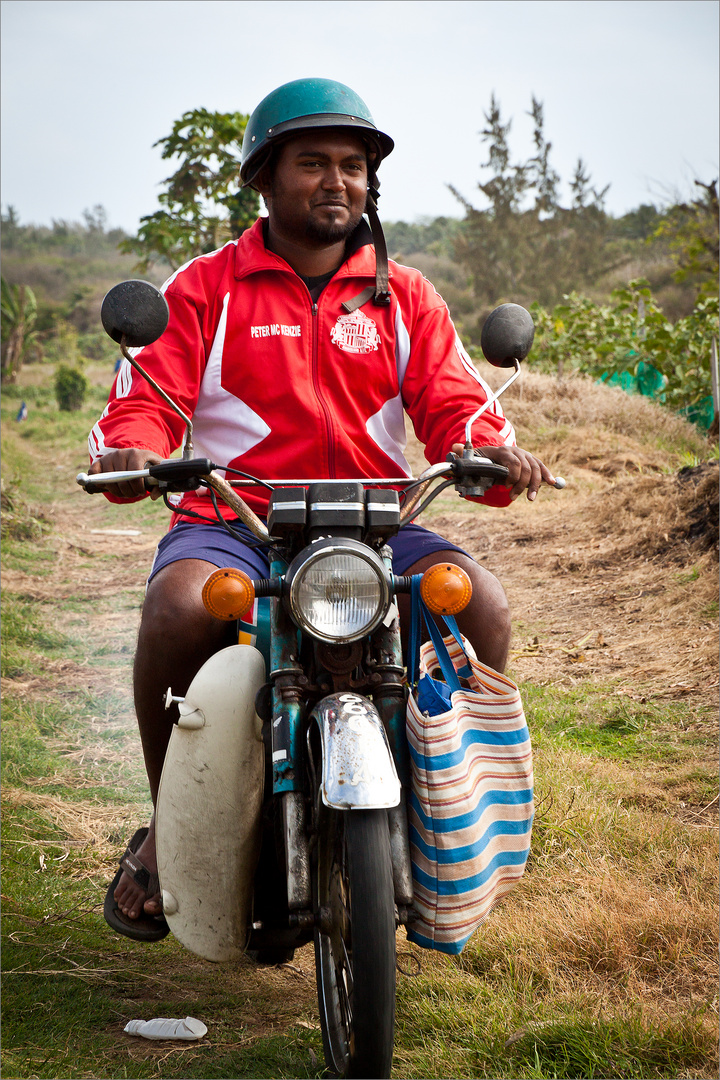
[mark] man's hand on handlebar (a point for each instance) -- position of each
(125, 461)
(526, 471)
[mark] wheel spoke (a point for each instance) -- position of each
(344, 997)
(348, 966)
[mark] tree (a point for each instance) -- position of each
(525, 246)
(202, 205)
(639, 224)
(433, 235)
(543, 177)
(492, 242)
(692, 231)
(10, 226)
(18, 311)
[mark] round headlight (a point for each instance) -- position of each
(338, 590)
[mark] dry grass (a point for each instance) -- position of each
(609, 939)
(674, 517)
(84, 822)
(617, 577)
(539, 404)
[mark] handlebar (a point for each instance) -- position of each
(471, 474)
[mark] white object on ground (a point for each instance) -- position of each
(164, 1028)
(116, 532)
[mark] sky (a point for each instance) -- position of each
(630, 86)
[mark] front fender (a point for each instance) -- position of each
(358, 771)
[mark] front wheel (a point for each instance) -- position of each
(355, 941)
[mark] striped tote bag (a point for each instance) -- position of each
(471, 803)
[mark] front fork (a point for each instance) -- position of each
(288, 683)
(288, 688)
(389, 698)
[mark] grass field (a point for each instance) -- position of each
(603, 962)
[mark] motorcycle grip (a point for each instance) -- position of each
(100, 482)
(176, 471)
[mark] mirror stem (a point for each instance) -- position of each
(188, 449)
(468, 449)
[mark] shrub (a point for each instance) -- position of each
(70, 388)
(631, 339)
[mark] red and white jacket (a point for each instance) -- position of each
(281, 387)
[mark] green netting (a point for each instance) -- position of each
(701, 413)
(649, 382)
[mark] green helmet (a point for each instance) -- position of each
(300, 106)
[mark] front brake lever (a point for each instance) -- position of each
(474, 475)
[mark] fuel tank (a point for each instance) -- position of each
(209, 803)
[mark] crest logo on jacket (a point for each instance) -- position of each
(355, 333)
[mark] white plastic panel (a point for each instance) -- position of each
(208, 811)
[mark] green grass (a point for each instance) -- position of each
(24, 635)
(42, 739)
(25, 734)
(85, 1039)
(23, 624)
(567, 1045)
(502, 1009)
(572, 1048)
(595, 720)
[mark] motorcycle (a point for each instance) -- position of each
(292, 742)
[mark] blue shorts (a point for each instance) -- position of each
(213, 544)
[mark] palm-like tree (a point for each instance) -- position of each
(18, 310)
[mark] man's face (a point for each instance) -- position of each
(317, 192)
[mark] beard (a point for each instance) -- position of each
(324, 233)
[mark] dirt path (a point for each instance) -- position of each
(94, 594)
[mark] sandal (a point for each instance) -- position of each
(146, 927)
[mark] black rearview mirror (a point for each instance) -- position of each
(135, 313)
(136, 310)
(507, 335)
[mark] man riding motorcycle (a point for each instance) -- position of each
(295, 349)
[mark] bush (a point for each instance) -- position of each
(630, 340)
(70, 388)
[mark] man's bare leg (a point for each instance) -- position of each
(176, 637)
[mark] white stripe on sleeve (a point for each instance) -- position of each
(402, 346)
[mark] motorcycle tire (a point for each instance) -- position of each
(355, 942)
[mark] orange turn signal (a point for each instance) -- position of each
(228, 594)
(446, 589)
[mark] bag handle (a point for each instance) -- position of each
(420, 612)
(466, 671)
(413, 665)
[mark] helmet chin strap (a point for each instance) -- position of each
(380, 291)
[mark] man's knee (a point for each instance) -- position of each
(173, 610)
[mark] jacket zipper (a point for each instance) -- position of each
(321, 399)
